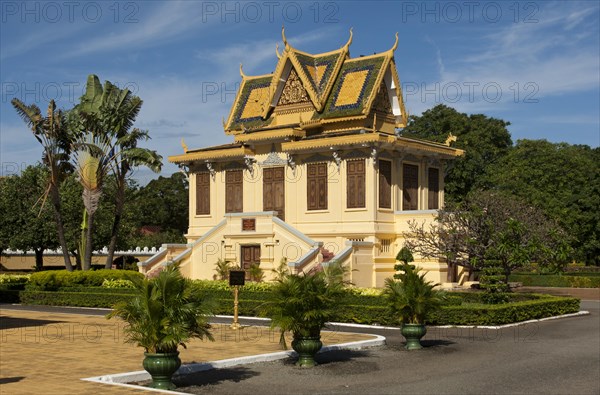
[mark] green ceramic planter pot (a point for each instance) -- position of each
(413, 334)
(307, 347)
(161, 367)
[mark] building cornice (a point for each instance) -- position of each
(215, 155)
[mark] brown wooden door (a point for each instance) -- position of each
(274, 190)
(250, 255)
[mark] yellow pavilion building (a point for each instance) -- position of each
(317, 171)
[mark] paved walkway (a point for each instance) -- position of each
(49, 352)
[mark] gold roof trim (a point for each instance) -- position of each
(403, 114)
(239, 152)
(269, 134)
(337, 120)
(429, 146)
(336, 141)
(366, 138)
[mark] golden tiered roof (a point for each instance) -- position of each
(321, 89)
(318, 101)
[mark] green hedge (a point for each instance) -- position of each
(460, 308)
(480, 314)
(53, 280)
(65, 298)
(553, 280)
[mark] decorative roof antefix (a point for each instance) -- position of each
(336, 85)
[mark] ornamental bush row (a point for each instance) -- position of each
(458, 310)
(52, 280)
(546, 280)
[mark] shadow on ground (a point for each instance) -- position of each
(11, 322)
(215, 376)
(8, 380)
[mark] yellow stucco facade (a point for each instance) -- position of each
(318, 171)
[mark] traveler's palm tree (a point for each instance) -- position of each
(51, 132)
(108, 113)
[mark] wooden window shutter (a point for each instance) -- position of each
(274, 190)
(234, 191)
(203, 193)
(316, 187)
(410, 181)
(355, 188)
(434, 188)
(385, 184)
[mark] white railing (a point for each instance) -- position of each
(103, 251)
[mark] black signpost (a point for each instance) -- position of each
(236, 278)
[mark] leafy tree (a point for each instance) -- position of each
(562, 179)
(484, 139)
(163, 202)
(29, 223)
(490, 229)
(52, 133)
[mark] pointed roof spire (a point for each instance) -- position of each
(287, 46)
(347, 45)
(395, 44)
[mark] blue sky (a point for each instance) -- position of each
(535, 64)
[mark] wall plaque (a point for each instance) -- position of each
(248, 224)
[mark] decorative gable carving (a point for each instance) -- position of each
(273, 159)
(293, 91)
(382, 100)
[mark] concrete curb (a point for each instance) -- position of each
(378, 327)
(123, 379)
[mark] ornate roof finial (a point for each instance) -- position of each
(395, 44)
(242, 72)
(223, 121)
(184, 145)
(287, 46)
(451, 138)
(277, 51)
(347, 45)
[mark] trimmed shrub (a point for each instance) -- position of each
(117, 284)
(56, 279)
(547, 280)
(480, 314)
(6, 279)
(81, 299)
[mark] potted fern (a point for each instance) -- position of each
(165, 313)
(411, 298)
(303, 304)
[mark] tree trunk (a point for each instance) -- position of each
(60, 228)
(77, 255)
(119, 204)
(87, 258)
(39, 259)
